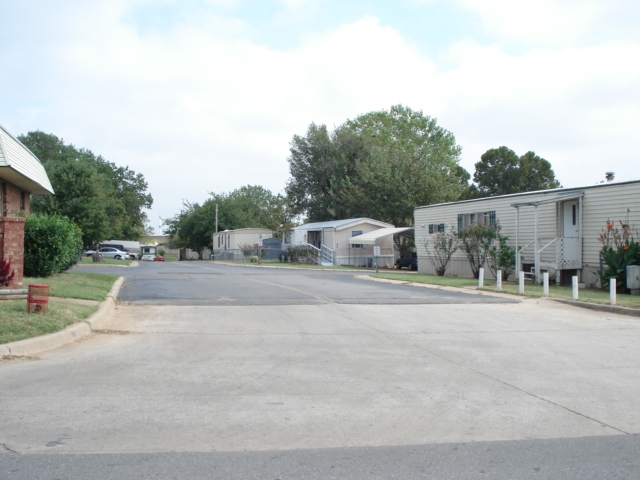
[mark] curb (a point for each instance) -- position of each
(471, 290)
(97, 321)
(633, 312)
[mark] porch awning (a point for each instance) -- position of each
(553, 199)
(370, 238)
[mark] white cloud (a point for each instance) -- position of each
(200, 107)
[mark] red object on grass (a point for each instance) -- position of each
(158, 259)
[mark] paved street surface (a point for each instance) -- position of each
(211, 371)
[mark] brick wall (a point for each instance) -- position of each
(13, 199)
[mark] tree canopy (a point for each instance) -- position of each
(248, 206)
(103, 199)
(379, 165)
(500, 172)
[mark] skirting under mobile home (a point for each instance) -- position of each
(568, 222)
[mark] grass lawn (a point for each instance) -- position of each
(530, 290)
(105, 261)
(85, 286)
(16, 324)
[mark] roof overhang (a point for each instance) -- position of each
(554, 199)
(20, 180)
(370, 238)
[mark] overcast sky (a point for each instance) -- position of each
(205, 95)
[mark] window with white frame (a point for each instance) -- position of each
(485, 218)
(436, 227)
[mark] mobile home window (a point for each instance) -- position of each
(486, 218)
(355, 233)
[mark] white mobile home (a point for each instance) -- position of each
(232, 239)
(556, 230)
(333, 239)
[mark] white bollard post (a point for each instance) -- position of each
(499, 280)
(521, 283)
(545, 284)
(480, 277)
(612, 291)
(574, 287)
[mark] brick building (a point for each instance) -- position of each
(21, 174)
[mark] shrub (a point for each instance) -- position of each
(6, 274)
(476, 240)
(619, 249)
(253, 259)
(303, 254)
(444, 246)
(52, 244)
(161, 252)
(502, 257)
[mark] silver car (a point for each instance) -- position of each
(110, 252)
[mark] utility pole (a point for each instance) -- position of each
(216, 218)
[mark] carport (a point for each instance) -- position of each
(368, 240)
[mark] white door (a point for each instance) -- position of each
(571, 218)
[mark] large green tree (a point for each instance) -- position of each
(103, 199)
(248, 206)
(380, 165)
(500, 172)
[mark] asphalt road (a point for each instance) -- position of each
(310, 375)
(207, 283)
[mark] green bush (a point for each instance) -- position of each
(476, 241)
(303, 255)
(52, 244)
(619, 250)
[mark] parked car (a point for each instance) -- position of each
(110, 252)
(148, 258)
(88, 253)
(158, 259)
(408, 262)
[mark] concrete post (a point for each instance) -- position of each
(499, 280)
(545, 284)
(574, 287)
(521, 283)
(612, 291)
(480, 277)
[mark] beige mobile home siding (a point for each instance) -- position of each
(599, 203)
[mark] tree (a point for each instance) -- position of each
(445, 244)
(248, 206)
(476, 241)
(500, 172)
(103, 199)
(379, 165)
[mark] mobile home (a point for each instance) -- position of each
(556, 231)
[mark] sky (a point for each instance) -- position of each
(205, 96)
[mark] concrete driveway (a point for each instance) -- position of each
(327, 374)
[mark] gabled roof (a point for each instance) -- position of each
(341, 224)
(21, 167)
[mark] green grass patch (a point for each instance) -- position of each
(86, 286)
(105, 261)
(278, 263)
(171, 257)
(530, 290)
(428, 279)
(16, 324)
